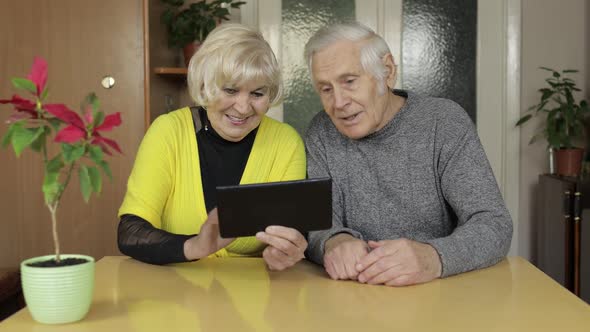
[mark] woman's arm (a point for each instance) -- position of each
(139, 239)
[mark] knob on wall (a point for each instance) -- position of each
(107, 82)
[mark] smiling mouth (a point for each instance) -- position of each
(237, 120)
(350, 118)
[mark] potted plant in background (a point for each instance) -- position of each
(188, 26)
(565, 121)
(58, 288)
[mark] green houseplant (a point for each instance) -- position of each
(188, 26)
(565, 120)
(58, 288)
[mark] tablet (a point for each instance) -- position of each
(305, 205)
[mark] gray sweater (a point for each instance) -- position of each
(424, 177)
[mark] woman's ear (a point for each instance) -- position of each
(391, 77)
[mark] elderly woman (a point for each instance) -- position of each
(169, 212)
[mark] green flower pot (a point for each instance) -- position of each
(57, 295)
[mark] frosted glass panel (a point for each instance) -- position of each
(301, 18)
(438, 49)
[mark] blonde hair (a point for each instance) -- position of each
(232, 55)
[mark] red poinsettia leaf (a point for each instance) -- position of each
(18, 116)
(88, 114)
(65, 114)
(21, 105)
(19, 102)
(110, 121)
(102, 146)
(70, 134)
(99, 140)
(39, 74)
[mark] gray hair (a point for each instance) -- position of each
(233, 54)
(372, 51)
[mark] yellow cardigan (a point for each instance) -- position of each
(165, 185)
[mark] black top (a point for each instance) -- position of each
(222, 163)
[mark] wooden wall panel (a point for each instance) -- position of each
(82, 41)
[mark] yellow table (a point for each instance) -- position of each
(239, 294)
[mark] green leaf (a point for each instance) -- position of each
(39, 142)
(535, 137)
(569, 71)
(25, 84)
(541, 106)
(51, 187)
(44, 94)
(106, 169)
(556, 74)
(92, 99)
(167, 16)
(54, 165)
(55, 123)
(237, 4)
(524, 119)
(548, 69)
(95, 153)
(23, 137)
(71, 153)
(552, 83)
(85, 184)
(98, 119)
(95, 179)
(8, 136)
(546, 93)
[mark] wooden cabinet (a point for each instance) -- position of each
(563, 232)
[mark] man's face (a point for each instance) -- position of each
(350, 95)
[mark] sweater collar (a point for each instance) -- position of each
(393, 124)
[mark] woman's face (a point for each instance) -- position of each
(238, 110)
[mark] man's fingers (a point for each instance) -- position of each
(377, 268)
(402, 280)
(286, 246)
(368, 260)
(380, 249)
(290, 234)
(376, 244)
(275, 259)
(351, 272)
(329, 266)
(385, 275)
(335, 270)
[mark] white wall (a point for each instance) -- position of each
(554, 34)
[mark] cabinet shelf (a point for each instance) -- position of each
(170, 71)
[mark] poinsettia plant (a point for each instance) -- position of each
(35, 124)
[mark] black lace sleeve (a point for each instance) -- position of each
(139, 239)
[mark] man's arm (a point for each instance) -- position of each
(484, 227)
(317, 167)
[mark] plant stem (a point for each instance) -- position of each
(53, 210)
(68, 176)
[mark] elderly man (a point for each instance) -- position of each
(414, 195)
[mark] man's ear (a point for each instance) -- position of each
(391, 77)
